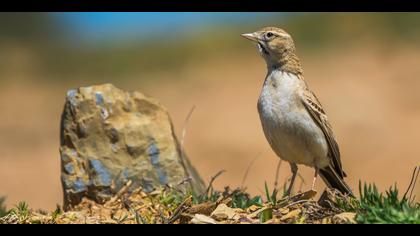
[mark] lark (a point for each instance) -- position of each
(293, 120)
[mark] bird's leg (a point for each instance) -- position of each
(294, 169)
(314, 181)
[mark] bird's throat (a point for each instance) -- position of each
(263, 50)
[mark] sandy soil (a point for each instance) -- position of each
(371, 96)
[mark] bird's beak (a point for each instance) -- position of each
(251, 36)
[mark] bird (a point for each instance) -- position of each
(293, 120)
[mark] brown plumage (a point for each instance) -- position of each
(292, 117)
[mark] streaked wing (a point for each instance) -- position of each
(314, 107)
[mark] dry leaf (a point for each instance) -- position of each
(223, 212)
(291, 215)
(203, 219)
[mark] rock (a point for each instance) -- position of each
(202, 219)
(223, 212)
(345, 218)
(109, 136)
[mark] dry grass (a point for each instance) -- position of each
(168, 207)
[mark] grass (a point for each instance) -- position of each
(375, 207)
(388, 208)
(240, 199)
(271, 197)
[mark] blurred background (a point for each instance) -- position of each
(364, 67)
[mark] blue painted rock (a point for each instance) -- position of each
(109, 136)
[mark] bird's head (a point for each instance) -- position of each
(275, 45)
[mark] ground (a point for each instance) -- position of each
(174, 206)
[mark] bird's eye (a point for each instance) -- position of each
(269, 35)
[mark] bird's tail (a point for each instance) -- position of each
(333, 180)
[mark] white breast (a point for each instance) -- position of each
(288, 127)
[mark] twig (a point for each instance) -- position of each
(163, 219)
(248, 169)
(176, 188)
(276, 181)
(137, 217)
(178, 212)
(297, 202)
(229, 195)
(184, 128)
(413, 179)
(213, 179)
(120, 193)
(185, 180)
(184, 132)
(414, 184)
